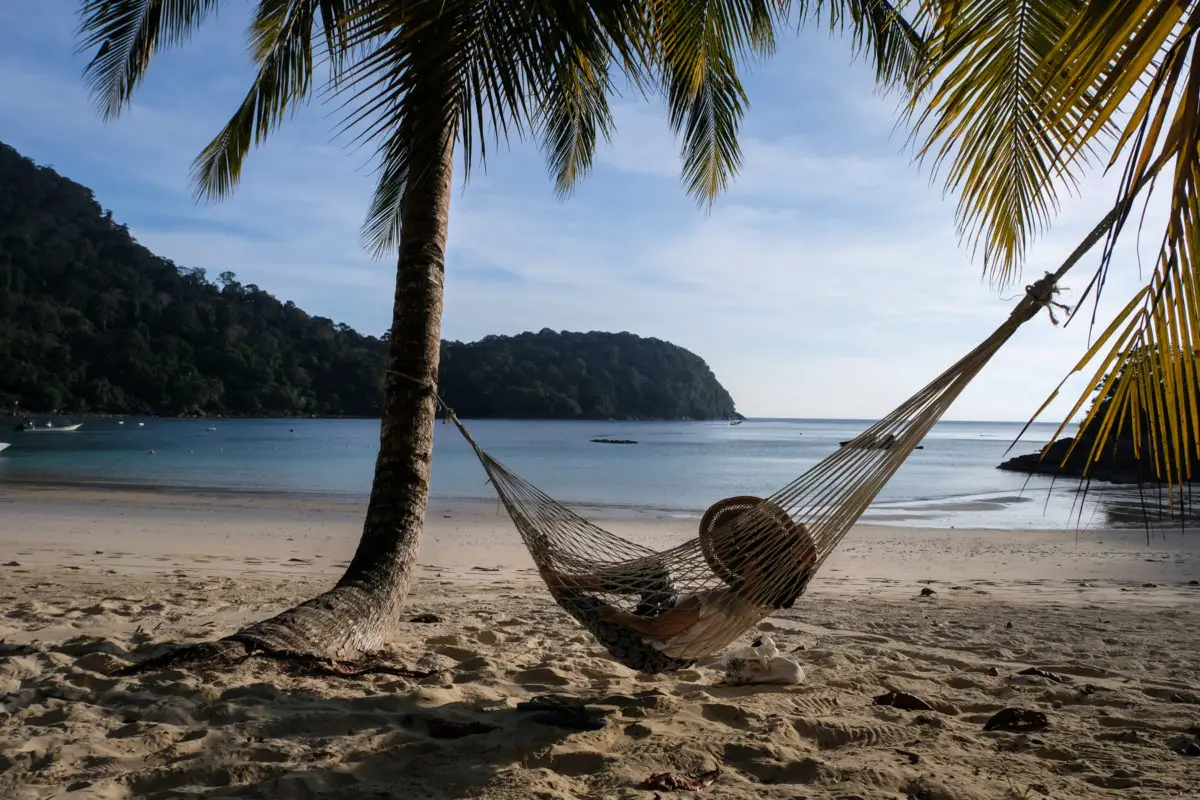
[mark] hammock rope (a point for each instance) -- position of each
(658, 611)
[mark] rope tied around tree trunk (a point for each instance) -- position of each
(431, 388)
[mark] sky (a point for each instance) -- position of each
(828, 281)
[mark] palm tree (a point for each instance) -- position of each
(1017, 97)
(418, 77)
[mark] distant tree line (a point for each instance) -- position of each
(93, 322)
(90, 320)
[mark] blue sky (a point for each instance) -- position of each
(828, 282)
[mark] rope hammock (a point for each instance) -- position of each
(662, 611)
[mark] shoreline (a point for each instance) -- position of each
(916, 513)
(229, 532)
(11, 419)
(99, 489)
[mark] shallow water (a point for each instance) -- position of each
(676, 468)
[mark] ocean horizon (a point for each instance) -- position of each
(677, 468)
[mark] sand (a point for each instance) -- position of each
(93, 580)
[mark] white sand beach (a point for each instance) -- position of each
(93, 580)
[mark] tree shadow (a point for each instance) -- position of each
(374, 746)
(261, 730)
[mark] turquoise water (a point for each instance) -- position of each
(677, 468)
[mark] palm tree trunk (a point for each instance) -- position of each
(359, 613)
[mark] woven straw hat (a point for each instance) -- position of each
(771, 538)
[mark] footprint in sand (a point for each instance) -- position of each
(542, 676)
(831, 734)
(458, 654)
(772, 764)
(572, 761)
(726, 714)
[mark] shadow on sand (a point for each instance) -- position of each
(273, 733)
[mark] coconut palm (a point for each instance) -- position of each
(1016, 99)
(419, 77)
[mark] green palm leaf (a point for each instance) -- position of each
(574, 112)
(896, 46)
(699, 42)
(282, 35)
(125, 34)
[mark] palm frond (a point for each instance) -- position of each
(1151, 48)
(574, 110)
(505, 70)
(980, 103)
(701, 42)
(709, 116)
(461, 66)
(878, 28)
(125, 34)
(281, 34)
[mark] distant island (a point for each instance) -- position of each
(580, 376)
(91, 322)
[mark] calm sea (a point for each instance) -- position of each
(677, 468)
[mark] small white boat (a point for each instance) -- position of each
(51, 429)
(4, 446)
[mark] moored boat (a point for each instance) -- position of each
(50, 428)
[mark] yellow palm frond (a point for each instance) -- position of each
(980, 105)
(1148, 52)
(1015, 97)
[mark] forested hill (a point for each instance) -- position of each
(580, 375)
(91, 321)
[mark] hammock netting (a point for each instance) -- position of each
(660, 611)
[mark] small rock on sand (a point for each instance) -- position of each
(903, 700)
